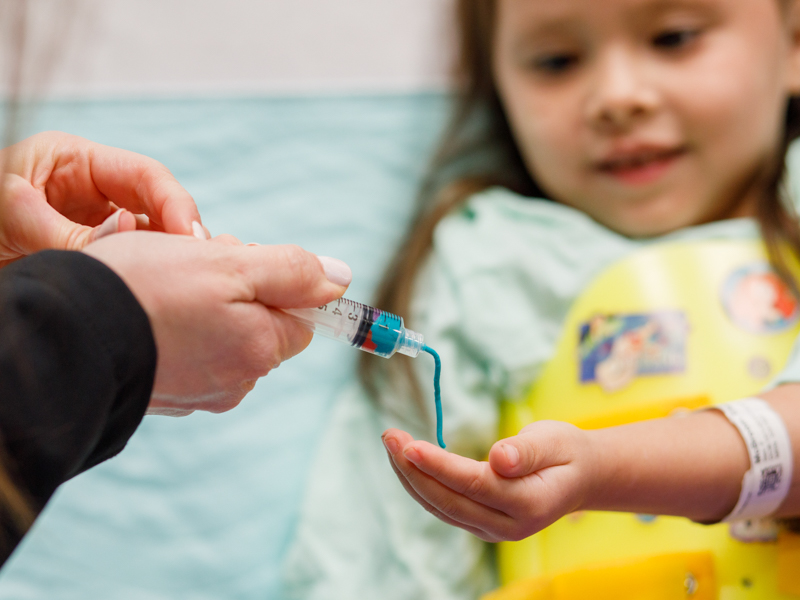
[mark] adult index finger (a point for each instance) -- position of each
(129, 180)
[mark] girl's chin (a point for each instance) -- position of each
(647, 221)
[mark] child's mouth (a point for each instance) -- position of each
(640, 166)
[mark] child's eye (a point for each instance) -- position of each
(555, 63)
(675, 39)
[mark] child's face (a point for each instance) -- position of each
(649, 115)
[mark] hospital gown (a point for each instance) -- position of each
(492, 299)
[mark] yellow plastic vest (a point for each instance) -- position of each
(676, 326)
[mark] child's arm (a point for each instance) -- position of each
(689, 466)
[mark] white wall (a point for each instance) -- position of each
(189, 47)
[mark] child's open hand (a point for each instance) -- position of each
(530, 480)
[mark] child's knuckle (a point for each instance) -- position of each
(476, 487)
(448, 507)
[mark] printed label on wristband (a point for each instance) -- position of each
(767, 482)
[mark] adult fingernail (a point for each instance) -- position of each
(198, 231)
(336, 271)
(109, 226)
(413, 455)
(512, 455)
(391, 445)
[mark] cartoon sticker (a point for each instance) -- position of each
(758, 301)
(616, 349)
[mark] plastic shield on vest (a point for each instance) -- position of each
(671, 328)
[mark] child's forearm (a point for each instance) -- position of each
(689, 465)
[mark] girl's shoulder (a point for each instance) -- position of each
(497, 228)
(523, 213)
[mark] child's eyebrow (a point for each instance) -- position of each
(648, 9)
(548, 17)
(548, 20)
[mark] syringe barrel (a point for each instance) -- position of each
(367, 328)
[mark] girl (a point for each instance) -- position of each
(639, 121)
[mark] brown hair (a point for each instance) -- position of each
(478, 151)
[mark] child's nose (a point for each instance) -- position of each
(620, 94)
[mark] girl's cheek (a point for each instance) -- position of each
(545, 122)
(733, 87)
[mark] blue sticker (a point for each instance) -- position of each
(616, 349)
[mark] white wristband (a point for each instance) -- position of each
(766, 483)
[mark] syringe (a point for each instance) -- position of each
(372, 330)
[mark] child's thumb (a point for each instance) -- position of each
(532, 449)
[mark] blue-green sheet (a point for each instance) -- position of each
(203, 507)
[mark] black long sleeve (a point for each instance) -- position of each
(77, 363)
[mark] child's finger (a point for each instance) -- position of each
(453, 505)
(470, 478)
(428, 507)
(406, 471)
(394, 440)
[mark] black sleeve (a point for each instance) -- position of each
(77, 363)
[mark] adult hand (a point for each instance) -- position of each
(531, 480)
(60, 191)
(214, 310)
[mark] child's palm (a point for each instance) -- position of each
(503, 499)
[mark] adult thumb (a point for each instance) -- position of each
(68, 235)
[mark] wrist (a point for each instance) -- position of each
(603, 480)
(688, 466)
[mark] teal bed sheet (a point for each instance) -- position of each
(203, 507)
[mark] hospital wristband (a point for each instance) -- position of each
(767, 482)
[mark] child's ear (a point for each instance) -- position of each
(792, 16)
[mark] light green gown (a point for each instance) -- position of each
(502, 275)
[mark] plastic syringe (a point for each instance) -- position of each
(370, 329)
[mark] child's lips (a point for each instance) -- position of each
(640, 166)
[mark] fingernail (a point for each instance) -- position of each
(109, 226)
(336, 271)
(512, 455)
(198, 231)
(413, 455)
(391, 445)
(252, 244)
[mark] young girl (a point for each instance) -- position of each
(586, 131)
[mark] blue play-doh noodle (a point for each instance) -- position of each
(437, 392)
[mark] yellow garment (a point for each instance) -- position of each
(674, 326)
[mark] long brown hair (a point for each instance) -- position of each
(478, 151)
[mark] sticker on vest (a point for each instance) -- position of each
(756, 300)
(616, 349)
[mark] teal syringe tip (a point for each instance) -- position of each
(437, 392)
